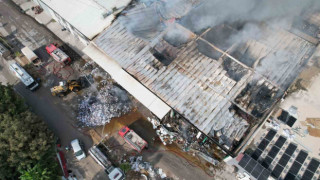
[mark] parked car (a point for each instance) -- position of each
(77, 149)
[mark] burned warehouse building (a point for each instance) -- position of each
(224, 77)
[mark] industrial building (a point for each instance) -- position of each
(84, 19)
(226, 88)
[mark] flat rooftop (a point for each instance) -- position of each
(89, 17)
(224, 89)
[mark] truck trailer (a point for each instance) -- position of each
(114, 173)
(135, 141)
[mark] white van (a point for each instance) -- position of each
(23, 76)
(77, 149)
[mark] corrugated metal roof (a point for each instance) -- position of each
(193, 84)
(204, 89)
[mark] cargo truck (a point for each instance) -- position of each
(31, 56)
(135, 141)
(58, 55)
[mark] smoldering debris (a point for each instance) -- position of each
(98, 109)
(234, 70)
(174, 129)
(166, 136)
(258, 97)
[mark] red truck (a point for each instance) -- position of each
(58, 55)
(133, 139)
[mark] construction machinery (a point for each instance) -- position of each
(65, 87)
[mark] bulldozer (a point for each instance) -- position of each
(65, 87)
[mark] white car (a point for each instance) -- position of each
(78, 152)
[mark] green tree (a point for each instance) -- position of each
(37, 172)
(45, 169)
(24, 138)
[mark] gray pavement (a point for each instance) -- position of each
(21, 30)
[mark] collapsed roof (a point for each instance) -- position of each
(223, 88)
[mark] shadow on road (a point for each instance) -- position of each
(42, 53)
(100, 175)
(73, 165)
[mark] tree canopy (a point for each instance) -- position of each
(24, 138)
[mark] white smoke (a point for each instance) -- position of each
(215, 12)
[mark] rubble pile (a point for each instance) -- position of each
(98, 109)
(138, 165)
(186, 136)
(166, 136)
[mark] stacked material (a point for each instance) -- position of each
(97, 110)
(166, 136)
(138, 165)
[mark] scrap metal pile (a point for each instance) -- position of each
(166, 136)
(174, 129)
(138, 165)
(98, 109)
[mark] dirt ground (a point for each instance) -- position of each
(313, 126)
(174, 162)
(305, 95)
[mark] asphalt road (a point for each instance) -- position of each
(51, 110)
(21, 30)
(25, 31)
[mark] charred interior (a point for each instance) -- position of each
(223, 79)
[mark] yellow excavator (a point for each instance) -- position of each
(65, 87)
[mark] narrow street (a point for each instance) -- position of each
(21, 30)
(24, 31)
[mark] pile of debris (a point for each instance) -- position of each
(37, 9)
(143, 167)
(187, 137)
(98, 109)
(166, 136)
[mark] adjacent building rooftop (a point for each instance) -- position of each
(90, 17)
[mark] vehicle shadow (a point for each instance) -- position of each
(100, 175)
(42, 53)
(75, 166)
